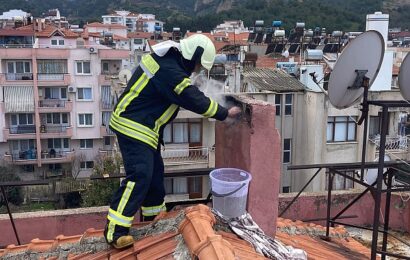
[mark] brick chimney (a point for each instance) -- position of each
(253, 144)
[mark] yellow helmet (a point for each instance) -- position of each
(193, 45)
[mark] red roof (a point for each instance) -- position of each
(117, 37)
(403, 34)
(14, 32)
(139, 35)
(51, 30)
(101, 25)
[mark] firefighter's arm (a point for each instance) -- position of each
(180, 91)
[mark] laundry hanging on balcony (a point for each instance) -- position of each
(18, 99)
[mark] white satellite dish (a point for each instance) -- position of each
(404, 78)
(125, 75)
(362, 57)
(371, 175)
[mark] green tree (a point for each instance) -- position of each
(14, 194)
(100, 192)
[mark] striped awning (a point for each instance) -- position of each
(19, 99)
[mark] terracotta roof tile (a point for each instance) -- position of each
(152, 242)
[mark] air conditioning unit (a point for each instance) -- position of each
(92, 50)
(71, 89)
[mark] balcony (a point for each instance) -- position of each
(51, 156)
(56, 79)
(397, 145)
(188, 158)
(106, 79)
(55, 106)
(55, 131)
(16, 79)
(106, 106)
(20, 132)
(21, 157)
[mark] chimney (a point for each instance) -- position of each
(253, 144)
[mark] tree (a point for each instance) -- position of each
(14, 194)
(100, 192)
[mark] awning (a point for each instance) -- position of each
(19, 99)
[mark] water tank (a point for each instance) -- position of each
(308, 33)
(337, 34)
(277, 23)
(259, 23)
(300, 25)
(279, 33)
(176, 29)
(220, 59)
(158, 28)
(314, 55)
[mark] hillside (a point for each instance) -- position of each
(205, 14)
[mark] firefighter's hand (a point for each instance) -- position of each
(234, 112)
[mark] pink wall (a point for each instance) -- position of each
(314, 206)
(254, 145)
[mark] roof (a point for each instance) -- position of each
(275, 80)
(139, 35)
(50, 31)
(184, 233)
(403, 34)
(102, 25)
(168, 237)
(13, 32)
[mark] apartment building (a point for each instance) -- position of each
(55, 101)
(134, 22)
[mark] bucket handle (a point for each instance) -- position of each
(227, 194)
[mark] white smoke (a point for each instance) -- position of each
(212, 88)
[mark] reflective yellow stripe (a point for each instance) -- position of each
(118, 221)
(120, 216)
(133, 134)
(134, 125)
(135, 90)
(152, 211)
(213, 107)
(110, 233)
(183, 85)
(150, 64)
(165, 117)
(125, 196)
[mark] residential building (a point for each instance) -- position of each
(231, 26)
(134, 22)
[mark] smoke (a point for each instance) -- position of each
(212, 88)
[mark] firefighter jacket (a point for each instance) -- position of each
(156, 90)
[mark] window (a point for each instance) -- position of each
(57, 42)
(18, 67)
(52, 66)
(184, 131)
(138, 41)
(107, 141)
(287, 144)
(55, 93)
(86, 143)
(22, 119)
(341, 129)
(86, 165)
(285, 189)
(105, 67)
(278, 104)
(58, 143)
(83, 67)
(288, 104)
(85, 120)
(84, 93)
(176, 185)
(57, 118)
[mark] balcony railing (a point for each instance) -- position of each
(393, 143)
(186, 156)
(19, 76)
(17, 45)
(24, 155)
(53, 128)
(23, 129)
(52, 103)
(51, 76)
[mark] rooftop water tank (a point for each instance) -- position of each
(313, 55)
(277, 23)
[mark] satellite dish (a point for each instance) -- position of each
(363, 56)
(404, 78)
(371, 175)
(125, 75)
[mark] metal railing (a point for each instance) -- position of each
(52, 103)
(52, 153)
(53, 128)
(50, 76)
(19, 76)
(179, 156)
(23, 129)
(24, 155)
(22, 45)
(393, 143)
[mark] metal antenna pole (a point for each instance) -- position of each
(10, 215)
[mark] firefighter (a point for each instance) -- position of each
(159, 86)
